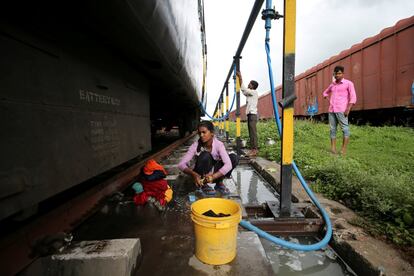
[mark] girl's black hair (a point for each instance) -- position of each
(207, 124)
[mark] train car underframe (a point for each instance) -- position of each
(73, 103)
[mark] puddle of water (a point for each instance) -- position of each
(252, 188)
(290, 262)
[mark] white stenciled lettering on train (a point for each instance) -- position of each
(92, 97)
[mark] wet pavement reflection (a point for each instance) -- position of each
(291, 262)
(252, 188)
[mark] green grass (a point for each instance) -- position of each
(375, 178)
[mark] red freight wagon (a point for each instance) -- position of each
(381, 67)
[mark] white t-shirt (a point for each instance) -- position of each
(251, 98)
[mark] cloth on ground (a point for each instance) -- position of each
(151, 166)
(168, 194)
(138, 187)
(211, 213)
(156, 175)
(154, 185)
(154, 189)
(140, 199)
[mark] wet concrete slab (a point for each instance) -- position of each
(168, 240)
(290, 262)
(104, 257)
(166, 237)
(251, 259)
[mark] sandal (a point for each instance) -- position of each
(208, 190)
(221, 188)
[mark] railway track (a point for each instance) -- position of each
(16, 247)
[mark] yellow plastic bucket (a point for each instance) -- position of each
(215, 237)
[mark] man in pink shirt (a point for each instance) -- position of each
(342, 97)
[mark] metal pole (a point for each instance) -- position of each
(288, 88)
(222, 113)
(238, 139)
(227, 111)
(215, 115)
(219, 115)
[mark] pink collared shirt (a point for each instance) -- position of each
(342, 94)
(218, 152)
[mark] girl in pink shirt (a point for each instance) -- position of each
(213, 163)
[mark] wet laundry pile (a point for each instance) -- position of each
(211, 213)
(152, 186)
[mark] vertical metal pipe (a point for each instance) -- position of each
(222, 113)
(215, 115)
(227, 111)
(288, 88)
(238, 139)
(219, 115)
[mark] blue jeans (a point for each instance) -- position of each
(334, 119)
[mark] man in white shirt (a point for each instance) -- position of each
(251, 110)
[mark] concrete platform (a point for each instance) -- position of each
(167, 237)
(168, 241)
(105, 257)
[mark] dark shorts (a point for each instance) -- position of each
(205, 163)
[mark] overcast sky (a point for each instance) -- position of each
(323, 29)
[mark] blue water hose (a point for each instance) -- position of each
(322, 243)
(231, 106)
